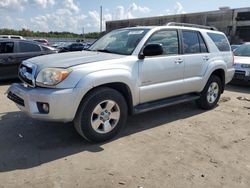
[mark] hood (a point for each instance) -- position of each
(242, 60)
(69, 59)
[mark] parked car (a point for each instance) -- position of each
(14, 51)
(77, 46)
(43, 41)
(11, 37)
(127, 71)
(234, 46)
(242, 63)
(87, 45)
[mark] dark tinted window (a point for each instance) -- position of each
(168, 39)
(6, 47)
(28, 47)
(191, 42)
(220, 41)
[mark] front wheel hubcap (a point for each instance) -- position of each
(105, 116)
(213, 92)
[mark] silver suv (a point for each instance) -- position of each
(127, 71)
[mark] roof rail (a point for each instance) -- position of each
(191, 25)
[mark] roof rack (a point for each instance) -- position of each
(191, 25)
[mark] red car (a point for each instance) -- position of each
(43, 41)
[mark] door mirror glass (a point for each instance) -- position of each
(153, 50)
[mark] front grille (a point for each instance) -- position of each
(15, 98)
(27, 73)
(239, 74)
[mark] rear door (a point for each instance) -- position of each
(197, 59)
(8, 59)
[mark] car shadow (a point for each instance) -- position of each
(27, 143)
(9, 81)
(238, 87)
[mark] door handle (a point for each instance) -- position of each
(179, 61)
(205, 58)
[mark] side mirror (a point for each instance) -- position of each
(151, 50)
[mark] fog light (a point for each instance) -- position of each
(43, 107)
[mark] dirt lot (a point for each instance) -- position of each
(178, 146)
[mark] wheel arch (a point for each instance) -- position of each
(121, 87)
(221, 74)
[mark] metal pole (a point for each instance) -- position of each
(83, 34)
(100, 19)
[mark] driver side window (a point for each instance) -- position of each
(168, 39)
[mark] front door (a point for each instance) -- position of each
(8, 60)
(162, 76)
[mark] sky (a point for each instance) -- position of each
(78, 15)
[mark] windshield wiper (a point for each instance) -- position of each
(104, 50)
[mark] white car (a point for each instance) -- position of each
(242, 63)
(11, 37)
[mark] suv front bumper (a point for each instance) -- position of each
(62, 102)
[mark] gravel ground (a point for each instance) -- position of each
(178, 146)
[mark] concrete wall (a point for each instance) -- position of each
(226, 21)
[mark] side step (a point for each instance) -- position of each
(145, 107)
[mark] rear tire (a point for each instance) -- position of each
(211, 93)
(101, 115)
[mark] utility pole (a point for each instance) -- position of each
(83, 34)
(100, 19)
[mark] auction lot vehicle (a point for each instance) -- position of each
(242, 63)
(42, 41)
(127, 71)
(11, 37)
(77, 46)
(14, 51)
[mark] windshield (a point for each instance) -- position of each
(243, 50)
(122, 41)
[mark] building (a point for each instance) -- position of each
(235, 23)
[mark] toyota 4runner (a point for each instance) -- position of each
(127, 71)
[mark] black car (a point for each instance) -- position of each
(72, 47)
(14, 51)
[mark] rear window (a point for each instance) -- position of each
(220, 41)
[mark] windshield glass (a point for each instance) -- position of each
(122, 41)
(243, 50)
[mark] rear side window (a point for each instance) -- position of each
(7, 47)
(193, 42)
(28, 47)
(203, 46)
(220, 41)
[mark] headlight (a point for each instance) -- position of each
(245, 65)
(51, 76)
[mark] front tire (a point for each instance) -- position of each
(211, 93)
(101, 115)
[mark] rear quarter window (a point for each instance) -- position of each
(220, 41)
(28, 47)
